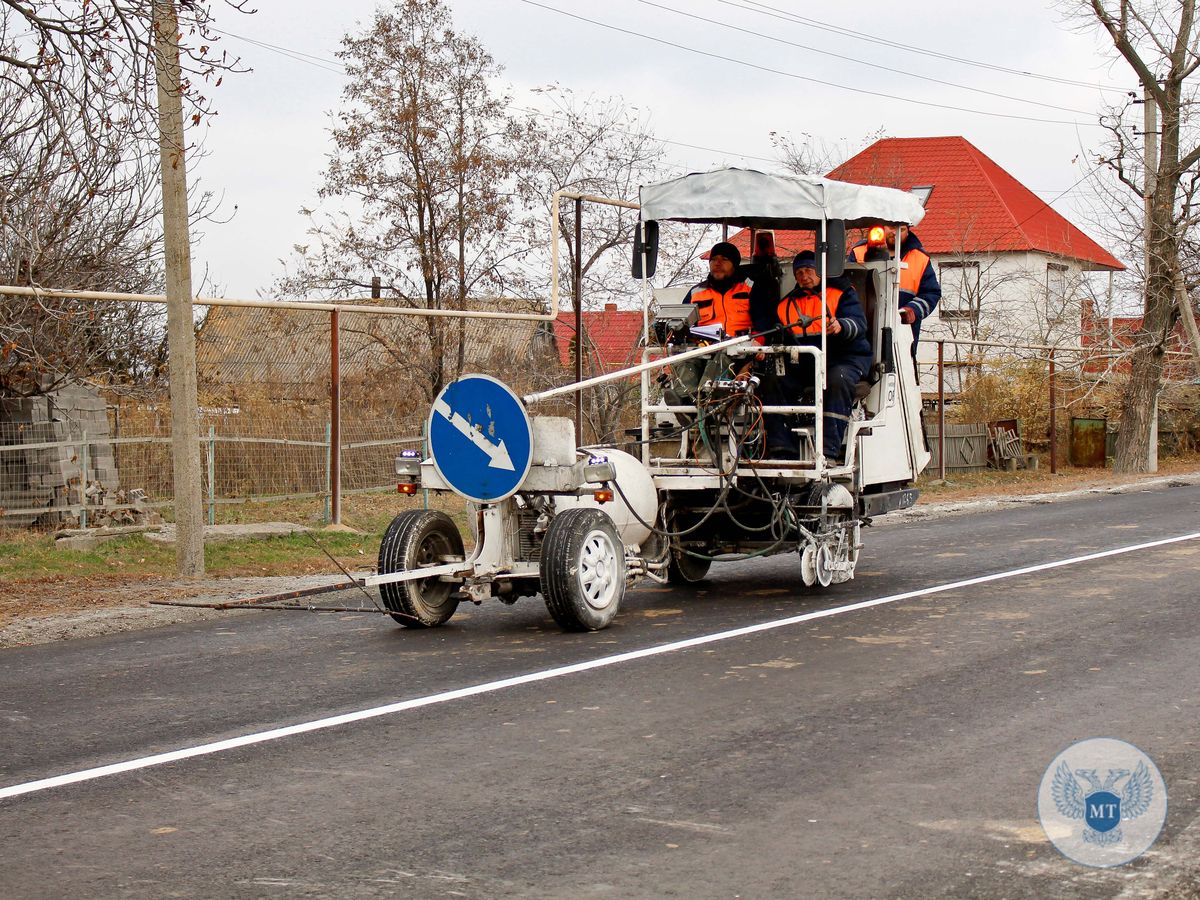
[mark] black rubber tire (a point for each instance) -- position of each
(570, 586)
(415, 538)
(685, 570)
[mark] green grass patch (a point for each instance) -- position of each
(26, 556)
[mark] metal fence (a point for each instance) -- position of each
(86, 477)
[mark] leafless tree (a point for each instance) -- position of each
(422, 157)
(91, 63)
(598, 146)
(807, 154)
(1159, 41)
(79, 202)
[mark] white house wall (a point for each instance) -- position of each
(1012, 310)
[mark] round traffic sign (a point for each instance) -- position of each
(480, 438)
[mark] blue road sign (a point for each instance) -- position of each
(480, 438)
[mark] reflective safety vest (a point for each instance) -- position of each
(910, 278)
(792, 308)
(730, 310)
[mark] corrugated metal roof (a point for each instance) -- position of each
(290, 349)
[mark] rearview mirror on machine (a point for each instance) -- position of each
(645, 247)
(835, 247)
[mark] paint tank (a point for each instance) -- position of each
(636, 487)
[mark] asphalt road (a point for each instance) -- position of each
(889, 751)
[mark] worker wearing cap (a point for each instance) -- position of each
(919, 288)
(723, 298)
(848, 353)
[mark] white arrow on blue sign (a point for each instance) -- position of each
(480, 438)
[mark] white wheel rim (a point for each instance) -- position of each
(824, 571)
(808, 565)
(599, 570)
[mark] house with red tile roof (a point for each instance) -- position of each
(1012, 269)
(612, 339)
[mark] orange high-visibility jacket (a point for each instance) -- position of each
(791, 308)
(910, 278)
(730, 310)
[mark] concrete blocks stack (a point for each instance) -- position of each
(49, 477)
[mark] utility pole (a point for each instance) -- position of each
(1150, 116)
(181, 337)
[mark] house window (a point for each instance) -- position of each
(922, 193)
(960, 290)
(1056, 287)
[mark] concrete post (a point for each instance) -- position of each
(181, 338)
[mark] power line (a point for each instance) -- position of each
(861, 62)
(297, 55)
(807, 78)
(776, 13)
(317, 61)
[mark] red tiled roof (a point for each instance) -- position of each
(975, 205)
(612, 338)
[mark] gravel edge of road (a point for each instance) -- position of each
(43, 629)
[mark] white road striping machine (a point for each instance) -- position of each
(691, 487)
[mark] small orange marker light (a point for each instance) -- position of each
(876, 236)
(406, 487)
(602, 496)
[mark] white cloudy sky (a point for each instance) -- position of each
(267, 146)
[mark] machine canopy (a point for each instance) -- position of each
(746, 198)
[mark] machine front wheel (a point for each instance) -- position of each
(582, 569)
(417, 538)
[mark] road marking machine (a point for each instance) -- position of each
(693, 485)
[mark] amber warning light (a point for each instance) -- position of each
(876, 237)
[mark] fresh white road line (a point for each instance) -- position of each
(275, 734)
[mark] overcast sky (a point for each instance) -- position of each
(267, 146)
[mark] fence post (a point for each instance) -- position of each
(328, 466)
(942, 410)
(84, 459)
(212, 475)
(1053, 421)
(335, 421)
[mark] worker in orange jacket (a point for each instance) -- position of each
(848, 355)
(723, 298)
(919, 287)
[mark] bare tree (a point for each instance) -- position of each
(81, 213)
(79, 198)
(600, 146)
(1159, 42)
(422, 155)
(91, 64)
(808, 154)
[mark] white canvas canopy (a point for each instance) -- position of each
(747, 198)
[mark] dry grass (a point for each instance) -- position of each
(993, 483)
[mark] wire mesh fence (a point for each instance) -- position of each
(119, 480)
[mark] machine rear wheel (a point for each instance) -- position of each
(582, 569)
(685, 569)
(417, 538)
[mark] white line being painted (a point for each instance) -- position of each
(275, 734)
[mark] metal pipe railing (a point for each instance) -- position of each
(349, 305)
